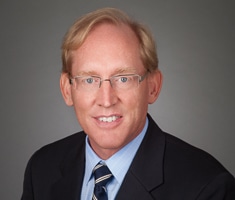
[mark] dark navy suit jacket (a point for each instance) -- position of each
(164, 168)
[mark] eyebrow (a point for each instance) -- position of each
(86, 73)
(128, 70)
(125, 70)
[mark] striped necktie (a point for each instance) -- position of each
(102, 177)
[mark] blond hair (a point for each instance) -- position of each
(79, 31)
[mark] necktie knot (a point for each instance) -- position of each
(102, 176)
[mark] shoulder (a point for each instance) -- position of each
(182, 155)
(188, 169)
(46, 165)
(186, 156)
(56, 152)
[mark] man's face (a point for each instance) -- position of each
(107, 51)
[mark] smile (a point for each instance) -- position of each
(108, 119)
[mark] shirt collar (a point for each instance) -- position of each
(123, 157)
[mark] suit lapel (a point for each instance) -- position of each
(69, 183)
(146, 171)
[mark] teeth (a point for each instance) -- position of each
(108, 119)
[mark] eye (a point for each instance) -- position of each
(123, 79)
(88, 80)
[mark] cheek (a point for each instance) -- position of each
(138, 100)
(82, 102)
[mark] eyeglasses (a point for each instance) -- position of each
(117, 82)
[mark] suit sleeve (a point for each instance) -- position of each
(222, 187)
(27, 185)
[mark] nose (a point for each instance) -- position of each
(106, 95)
(105, 80)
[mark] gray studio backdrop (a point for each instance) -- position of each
(196, 47)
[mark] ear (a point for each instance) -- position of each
(66, 88)
(155, 85)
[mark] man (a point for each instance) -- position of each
(110, 75)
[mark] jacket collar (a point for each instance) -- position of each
(71, 171)
(146, 171)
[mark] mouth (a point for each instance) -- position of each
(109, 119)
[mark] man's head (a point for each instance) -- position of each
(109, 78)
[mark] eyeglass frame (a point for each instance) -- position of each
(140, 78)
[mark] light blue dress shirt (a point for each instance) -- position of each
(118, 164)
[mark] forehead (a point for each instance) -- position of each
(109, 46)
